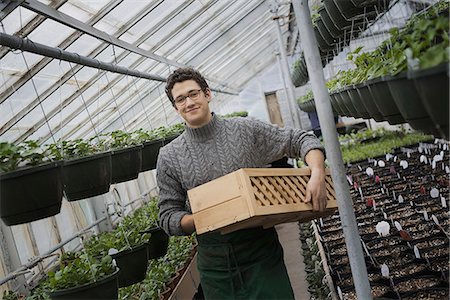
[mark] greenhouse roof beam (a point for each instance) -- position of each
(46, 60)
(123, 56)
(7, 6)
(67, 20)
(32, 25)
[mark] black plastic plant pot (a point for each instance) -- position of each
(307, 107)
(31, 193)
(133, 265)
(384, 101)
(348, 10)
(87, 177)
(427, 293)
(329, 24)
(125, 164)
(343, 104)
(158, 243)
(150, 151)
(169, 139)
(369, 104)
(348, 102)
(335, 14)
(323, 30)
(357, 103)
(409, 104)
(433, 87)
(335, 105)
(105, 288)
(321, 42)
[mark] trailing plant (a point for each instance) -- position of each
(27, 153)
(236, 114)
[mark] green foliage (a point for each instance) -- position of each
(305, 98)
(236, 114)
(77, 269)
(386, 142)
(27, 153)
(10, 295)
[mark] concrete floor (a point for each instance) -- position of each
(289, 236)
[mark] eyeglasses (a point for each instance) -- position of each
(193, 95)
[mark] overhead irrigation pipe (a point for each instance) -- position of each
(334, 155)
(27, 45)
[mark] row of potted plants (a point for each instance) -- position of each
(77, 169)
(400, 201)
(134, 251)
(404, 80)
(335, 24)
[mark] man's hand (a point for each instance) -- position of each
(187, 223)
(316, 191)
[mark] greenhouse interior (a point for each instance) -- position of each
(88, 124)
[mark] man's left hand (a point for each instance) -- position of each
(316, 191)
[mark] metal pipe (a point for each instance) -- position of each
(286, 74)
(27, 45)
(334, 155)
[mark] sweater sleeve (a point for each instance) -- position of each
(276, 142)
(172, 197)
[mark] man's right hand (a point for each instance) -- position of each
(187, 223)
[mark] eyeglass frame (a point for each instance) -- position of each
(181, 102)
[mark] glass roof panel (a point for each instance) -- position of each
(50, 33)
(84, 45)
(17, 19)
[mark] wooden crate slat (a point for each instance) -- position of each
(264, 190)
(295, 184)
(261, 199)
(273, 191)
(303, 183)
(282, 181)
(286, 198)
(330, 187)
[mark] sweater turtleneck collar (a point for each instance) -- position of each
(205, 132)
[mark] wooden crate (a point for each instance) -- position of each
(255, 197)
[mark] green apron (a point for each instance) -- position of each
(246, 264)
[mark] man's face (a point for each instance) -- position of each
(195, 111)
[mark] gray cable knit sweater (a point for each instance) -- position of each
(220, 147)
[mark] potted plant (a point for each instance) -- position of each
(27, 165)
(82, 276)
(126, 155)
(86, 170)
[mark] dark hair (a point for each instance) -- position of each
(181, 75)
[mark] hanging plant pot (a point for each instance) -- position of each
(335, 105)
(168, 139)
(336, 15)
(87, 177)
(329, 24)
(158, 243)
(125, 164)
(348, 102)
(105, 288)
(432, 85)
(409, 104)
(343, 105)
(308, 106)
(30, 194)
(150, 151)
(367, 100)
(132, 264)
(384, 101)
(321, 42)
(329, 39)
(357, 103)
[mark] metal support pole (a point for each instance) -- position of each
(334, 155)
(293, 107)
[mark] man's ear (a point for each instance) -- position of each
(208, 94)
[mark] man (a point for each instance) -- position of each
(246, 264)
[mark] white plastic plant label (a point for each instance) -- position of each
(381, 164)
(385, 270)
(416, 252)
(112, 251)
(397, 225)
(435, 220)
(400, 199)
(341, 296)
(425, 215)
(437, 158)
(369, 171)
(420, 149)
(423, 159)
(447, 170)
(359, 168)
(404, 164)
(408, 154)
(388, 156)
(383, 228)
(443, 202)
(434, 193)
